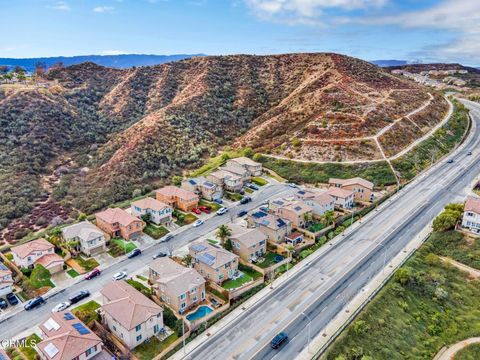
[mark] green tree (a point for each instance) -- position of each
(136, 193)
(228, 245)
(329, 217)
(223, 233)
(248, 152)
(403, 276)
(176, 180)
(146, 217)
(446, 220)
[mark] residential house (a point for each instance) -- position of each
(471, 214)
(320, 202)
(226, 179)
(129, 314)
(294, 238)
(248, 243)
(213, 262)
(179, 287)
(200, 185)
(237, 170)
(363, 189)
(160, 213)
(65, 337)
(274, 227)
(6, 280)
(178, 198)
(343, 198)
(117, 222)
(90, 238)
(297, 212)
(38, 251)
(253, 167)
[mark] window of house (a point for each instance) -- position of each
(139, 337)
(183, 296)
(182, 305)
(114, 328)
(138, 327)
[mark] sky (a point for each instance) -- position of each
(413, 30)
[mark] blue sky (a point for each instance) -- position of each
(424, 30)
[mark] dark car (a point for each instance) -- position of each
(469, 153)
(159, 255)
(134, 253)
(32, 304)
(12, 299)
(242, 213)
(3, 304)
(79, 296)
(218, 201)
(92, 274)
(450, 161)
(166, 238)
(245, 200)
(253, 187)
(279, 340)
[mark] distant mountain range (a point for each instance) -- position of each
(115, 61)
(386, 63)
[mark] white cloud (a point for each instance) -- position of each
(61, 6)
(103, 9)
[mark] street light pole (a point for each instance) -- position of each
(309, 324)
(183, 335)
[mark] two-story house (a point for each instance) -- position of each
(253, 167)
(90, 238)
(129, 314)
(65, 337)
(471, 215)
(343, 198)
(226, 179)
(248, 243)
(237, 170)
(160, 213)
(200, 185)
(180, 288)
(362, 189)
(274, 227)
(6, 280)
(117, 222)
(214, 263)
(297, 212)
(320, 202)
(38, 251)
(177, 198)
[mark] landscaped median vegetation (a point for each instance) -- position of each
(426, 305)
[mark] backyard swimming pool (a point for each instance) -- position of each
(199, 313)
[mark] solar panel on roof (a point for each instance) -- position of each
(3, 267)
(259, 214)
(280, 222)
(68, 316)
(191, 181)
(206, 259)
(82, 330)
(301, 192)
(298, 208)
(51, 350)
(198, 247)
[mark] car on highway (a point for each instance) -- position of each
(32, 304)
(159, 255)
(135, 252)
(166, 238)
(450, 161)
(198, 223)
(469, 153)
(245, 200)
(60, 307)
(196, 211)
(279, 340)
(92, 274)
(119, 276)
(79, 296)
(242, 213)
(222, 210)
(3, 304)
(12, 299)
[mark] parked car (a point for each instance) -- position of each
(204, 209)
(60, 307)
(251, 186)
(293, 185)
(92, 274)
(12, 299)
(32, 304)
(469, 153)
(215, 303)
(242, 213)
(119, 276)
(222, 211)
(218, 201)
(135, 252)
(159, 255)
(450, 161)
(79, 296)
(279, 340)
(166, 238)
(3, 304)
(196, 211)
(245, 200)
(198, 223)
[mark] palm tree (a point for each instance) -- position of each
(223, 233)
(329, 217)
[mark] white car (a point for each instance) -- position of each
(119, 276)
(222, 211)
(198, 223)
(60, 307)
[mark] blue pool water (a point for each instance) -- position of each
(199, 313)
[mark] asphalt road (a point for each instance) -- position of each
(26, 319)
(313, 297)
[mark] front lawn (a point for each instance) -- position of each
(40, 277)
(212, 205)
(87, 264)
(148, 350)
(248, 276)
(119, 247)
(72, 273)
(140, 287)
(28, 350)
(233, 196)
(184, 218)
(155, 231)
(316, 227)
(259, 181)
(269, 260)
(87, 312)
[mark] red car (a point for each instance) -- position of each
(204, 209)
(92, 274)
(196, 211)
